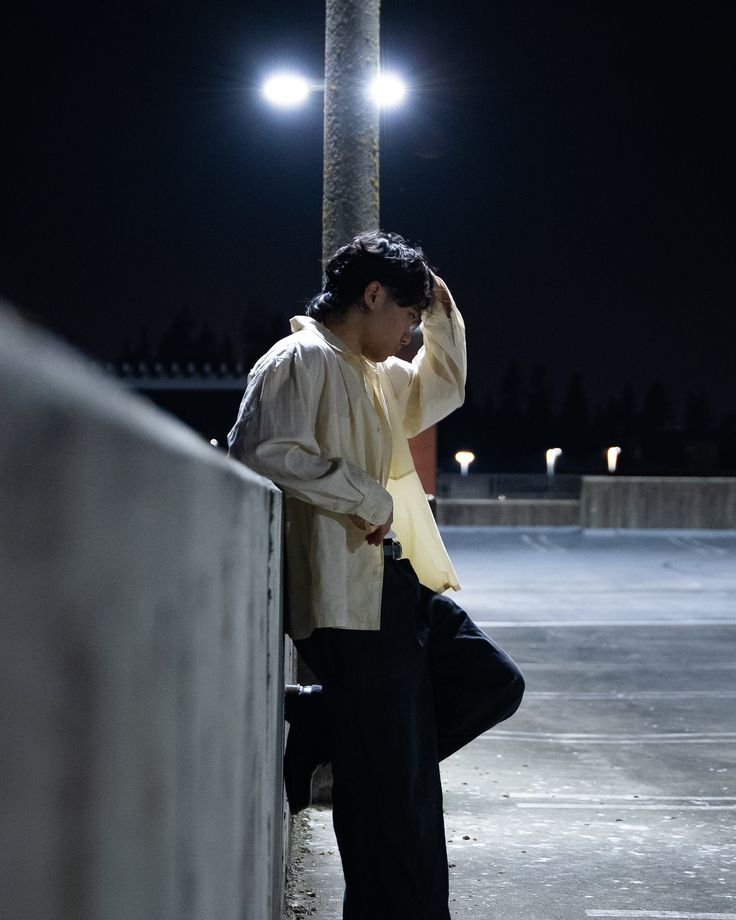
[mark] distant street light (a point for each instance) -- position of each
(464, 458)
(612, 458)
(551, 456)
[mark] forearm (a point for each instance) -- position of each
(337, 485)
(433, 385)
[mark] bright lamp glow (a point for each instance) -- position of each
(286, 90)
(388, 90)
(464, 458)
(612, 458)
(551, 457)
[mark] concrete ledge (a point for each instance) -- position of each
(141, 650)
(662, 502)
(509, 512)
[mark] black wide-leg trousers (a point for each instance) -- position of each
(399, 700)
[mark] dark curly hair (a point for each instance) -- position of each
(375, 256)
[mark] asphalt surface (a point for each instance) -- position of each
(612, 791)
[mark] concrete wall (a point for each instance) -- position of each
(638, 501)
(514, 512)
(608, 502)
(141, 668)
(511, 486)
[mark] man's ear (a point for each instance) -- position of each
(370, 294)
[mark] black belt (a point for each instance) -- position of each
(391, 549)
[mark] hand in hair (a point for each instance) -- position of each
(441, 294)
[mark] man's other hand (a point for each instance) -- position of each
(376, 534)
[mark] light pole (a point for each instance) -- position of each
(350, 197)
(354, 90)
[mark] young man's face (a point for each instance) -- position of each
(387, 326)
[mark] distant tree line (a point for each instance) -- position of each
(187, 340)
(512, 428)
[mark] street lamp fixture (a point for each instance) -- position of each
(350, 188)
(289, 90)
(286, 90)
(464, 458)
(551, 457)
(387, 90)
(612, 458)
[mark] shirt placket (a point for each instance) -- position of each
(375, 393)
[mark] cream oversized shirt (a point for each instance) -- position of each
(330, 428)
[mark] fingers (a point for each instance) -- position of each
(376, 534)
(375, 538)
(442, 293)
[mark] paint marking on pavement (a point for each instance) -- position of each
(704, 549)
(530, 541)
(587, 666)
(550, 544)
(715, 550)
(670, 695)
(595, 738)
(699, 548)
(545, 624)
(671, 806)
(630, 797)
(664, 914)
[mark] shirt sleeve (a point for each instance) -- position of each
(433, 384)
(275, 435)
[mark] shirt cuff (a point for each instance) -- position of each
(377, 507)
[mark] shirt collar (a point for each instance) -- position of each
(299, 323)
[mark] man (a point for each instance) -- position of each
(407, 677)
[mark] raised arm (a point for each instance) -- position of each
(433, 384)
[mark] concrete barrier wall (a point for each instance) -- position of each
(141, 657)
(513, 512)
(608, 502)
(638, 501)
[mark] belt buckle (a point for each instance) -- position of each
(395, 549)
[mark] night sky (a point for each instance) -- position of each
(567, 166)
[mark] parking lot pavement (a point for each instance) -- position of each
(612, 792)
